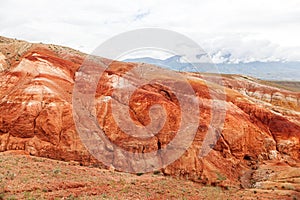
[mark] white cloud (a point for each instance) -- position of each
(248, 30)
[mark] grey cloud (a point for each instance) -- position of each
(247, 30)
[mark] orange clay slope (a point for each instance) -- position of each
(261, 124)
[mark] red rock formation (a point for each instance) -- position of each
(262, 122)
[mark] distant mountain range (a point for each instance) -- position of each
(276, 70)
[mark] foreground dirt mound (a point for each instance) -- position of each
(64, 180)
(261, 126)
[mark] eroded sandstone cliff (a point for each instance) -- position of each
(261, 125)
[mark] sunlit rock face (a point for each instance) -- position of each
(261, 125)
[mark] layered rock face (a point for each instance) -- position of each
(261, 124)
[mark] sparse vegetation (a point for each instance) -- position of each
(56, 171)
(288, 187)
(156, 172)
(71, 197)
(11, 198)
(221, 177)
(59, 180)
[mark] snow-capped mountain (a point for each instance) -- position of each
(268, 70)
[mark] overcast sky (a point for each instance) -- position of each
(248, 30)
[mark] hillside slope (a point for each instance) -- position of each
(261, 127)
